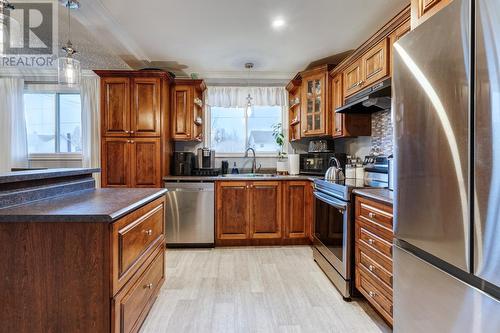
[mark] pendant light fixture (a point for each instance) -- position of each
(248, 110)
(68, 68)
(6, 22)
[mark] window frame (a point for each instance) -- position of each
(57, 154)
(208, 130)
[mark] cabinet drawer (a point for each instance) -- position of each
(375, 213)
(373, 242)
(378, 268)
(132, 304)
(134, 236)
(374, 295)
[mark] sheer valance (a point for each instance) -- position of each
(231, 97)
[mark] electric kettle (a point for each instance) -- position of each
(334, 173)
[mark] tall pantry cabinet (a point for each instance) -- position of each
(135, 131)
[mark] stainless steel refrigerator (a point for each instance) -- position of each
(446, 113)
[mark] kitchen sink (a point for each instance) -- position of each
(250, 175)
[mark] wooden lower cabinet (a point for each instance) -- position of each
(373, 254)
(298, 209)
(131, 162)
(263, 212)
(82, 276)
(233, 220)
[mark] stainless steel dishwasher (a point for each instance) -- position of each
(189, 219)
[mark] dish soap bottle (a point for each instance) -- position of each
(235, 170)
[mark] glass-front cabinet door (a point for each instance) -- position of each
(313, 117)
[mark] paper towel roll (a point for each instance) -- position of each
(293, 164)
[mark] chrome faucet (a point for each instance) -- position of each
(254, 162)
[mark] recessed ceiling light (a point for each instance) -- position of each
(278, 23)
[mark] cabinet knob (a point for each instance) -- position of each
(148, 286)
(371, 268)
(371, 215)
(132, 132)
(370, 241)
(148, 232)
(372, 294)
(127, 132)
(131, 141)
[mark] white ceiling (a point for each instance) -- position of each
(216, 37)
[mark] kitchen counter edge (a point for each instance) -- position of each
(379, 194)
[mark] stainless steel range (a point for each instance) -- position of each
(333, 231)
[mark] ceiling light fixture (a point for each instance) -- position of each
(6, 22)
(68, 68)
(278, 23)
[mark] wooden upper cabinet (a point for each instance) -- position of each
(265, 209)
(115, 106)
(421, 10)
(187, 110)
(314, 110)
(115, 162)
(375, 63)
(337, 102)
(145, 115)
(298, 209)
(145, 162)
(232, 211)
(182, 113)
(352, 78)
(395, 36)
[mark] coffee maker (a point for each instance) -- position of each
(206, 158)
(183, 163)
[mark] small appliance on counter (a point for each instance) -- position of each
(205, 158)
(318, 163)
(376, 170)
(183, 163)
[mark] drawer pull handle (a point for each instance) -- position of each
(371, 215)
(370, 241)
(372, 294)
(371, 268)
(148, 286)
(148, 232)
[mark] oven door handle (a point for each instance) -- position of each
(330, 200)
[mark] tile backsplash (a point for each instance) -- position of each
(382, 132)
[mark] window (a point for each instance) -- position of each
(53, 122)
(233, 130)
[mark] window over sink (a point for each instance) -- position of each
(234, 129)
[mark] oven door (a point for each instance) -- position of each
(332, 232)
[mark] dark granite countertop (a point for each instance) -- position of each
(380, 194)
(236, 177)
(92, 205)
(20, 176)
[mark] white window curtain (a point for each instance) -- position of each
(231, 97)
(13, 137)
(89, 94)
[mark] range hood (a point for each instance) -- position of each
(372, 99)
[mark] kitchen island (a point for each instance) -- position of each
(77, 258)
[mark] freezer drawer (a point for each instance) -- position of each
(427, 299)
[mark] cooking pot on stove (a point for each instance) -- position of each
(334, 172)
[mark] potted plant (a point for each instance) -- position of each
(279, 137)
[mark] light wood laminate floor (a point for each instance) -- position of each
(253, 289)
